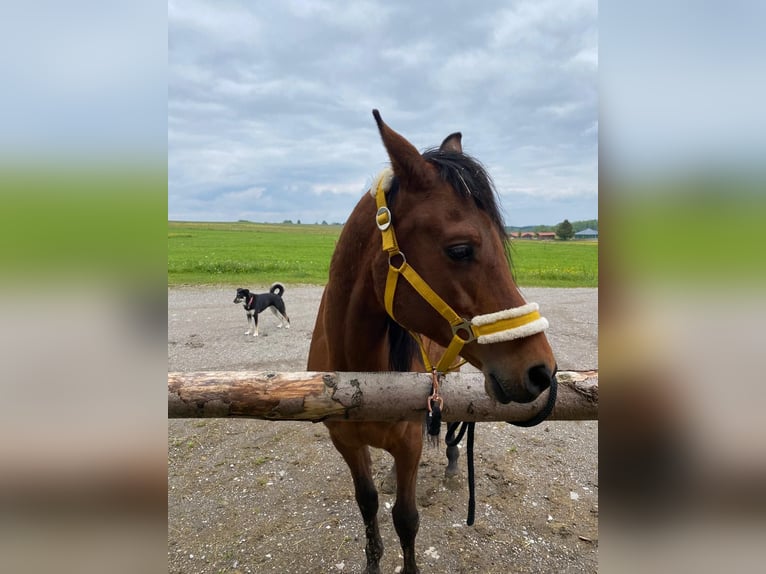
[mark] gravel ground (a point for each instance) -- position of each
(258, 496)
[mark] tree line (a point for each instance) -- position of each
(576, 226)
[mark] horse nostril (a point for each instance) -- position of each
(538, 379)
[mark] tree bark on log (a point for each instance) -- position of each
(388, 396)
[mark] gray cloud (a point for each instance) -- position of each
(277, 97)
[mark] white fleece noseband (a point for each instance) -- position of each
(521, 322)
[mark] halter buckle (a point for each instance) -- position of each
(465, 325)
(383, 218)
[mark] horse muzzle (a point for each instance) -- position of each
(533, 383)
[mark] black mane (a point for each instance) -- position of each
(402, 348)
(468, 178)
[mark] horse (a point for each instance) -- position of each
(433, 221)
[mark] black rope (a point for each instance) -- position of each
(462, 427)
(453, 440)
(546, 411)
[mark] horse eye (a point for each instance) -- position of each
(462, 252)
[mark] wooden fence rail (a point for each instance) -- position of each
(316, 396)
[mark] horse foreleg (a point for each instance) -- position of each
(405, 511)
(359, 462)
(367, 499)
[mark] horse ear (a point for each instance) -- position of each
(408, 165)
(452, 143)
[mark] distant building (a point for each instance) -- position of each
(587, 234)
(546, 235)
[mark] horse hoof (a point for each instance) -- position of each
(451, 471)
(453, 482)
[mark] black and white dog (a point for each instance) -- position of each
(255, 303)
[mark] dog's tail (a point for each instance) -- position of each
(277, 288)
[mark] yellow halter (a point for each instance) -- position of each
(503, 325)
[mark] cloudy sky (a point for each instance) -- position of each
(269, 103)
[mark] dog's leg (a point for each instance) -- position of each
(279, 311)
(255, 322)
(249, 321)
(278, 315)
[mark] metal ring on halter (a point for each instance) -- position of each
(397, 254)
(464, 326)
(385, 215)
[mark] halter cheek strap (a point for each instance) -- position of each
(505, 325)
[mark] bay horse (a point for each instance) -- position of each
(450, 247)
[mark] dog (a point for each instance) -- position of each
(255, 303)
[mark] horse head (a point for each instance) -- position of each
(448, 229)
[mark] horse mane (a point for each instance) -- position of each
(468, 178)
(402, 348)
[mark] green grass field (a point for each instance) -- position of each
(555, 263)
(252, 253)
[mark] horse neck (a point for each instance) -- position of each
(355, 321)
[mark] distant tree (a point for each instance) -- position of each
(585, 224)
(299, 222)
(288, 221)
(564, 230)
(324, 222)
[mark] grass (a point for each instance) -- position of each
(246, 253)
(555, 263)
(249, 253)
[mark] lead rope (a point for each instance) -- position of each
(453, 440)
(547, 410)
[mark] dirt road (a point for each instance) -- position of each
(257, 496)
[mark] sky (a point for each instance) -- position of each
(270, 103)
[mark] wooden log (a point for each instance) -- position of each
(389, 396)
